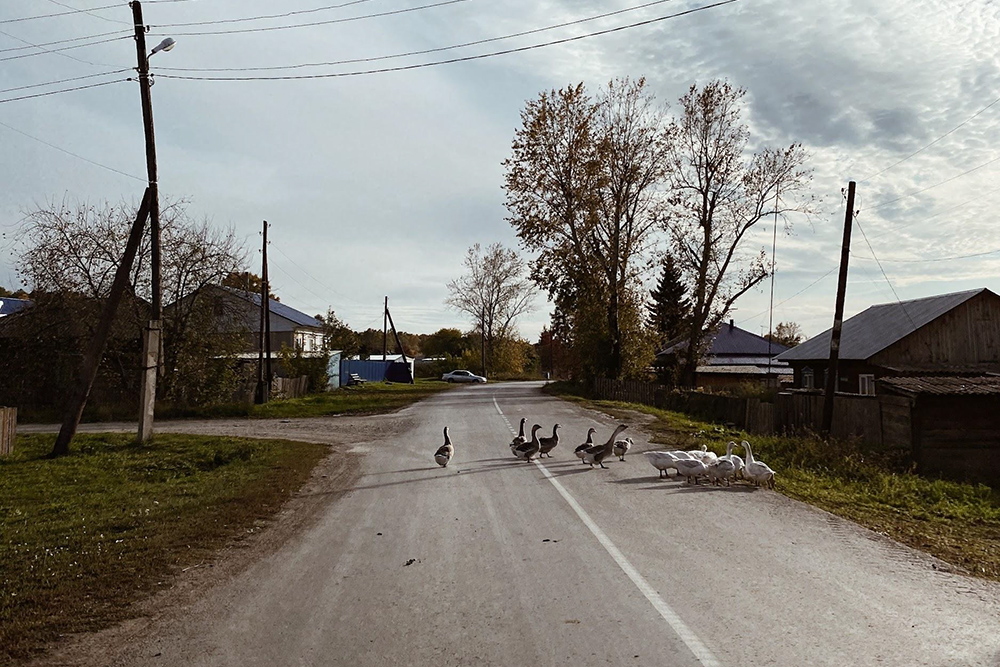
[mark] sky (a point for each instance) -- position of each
(377, 184)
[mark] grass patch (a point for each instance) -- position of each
(959, 523)
(85, 536)
(369, 398)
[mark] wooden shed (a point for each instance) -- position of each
(950, 423)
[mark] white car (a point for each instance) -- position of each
(462, 376)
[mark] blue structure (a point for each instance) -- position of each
(376, 371)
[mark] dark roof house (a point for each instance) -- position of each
(11, 306)
(734, 356)
(953, 334)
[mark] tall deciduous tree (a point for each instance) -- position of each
(581, 188)
(494, 293)
(719, 193)
(788, 334)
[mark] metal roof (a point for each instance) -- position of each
(730, 340)
(278, 308)
(742, 370)
(946, 386)
(872, 330)
(11, 306)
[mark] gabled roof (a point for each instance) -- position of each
(730, 341)
(987, 385)
(872, 330)
(278, 308)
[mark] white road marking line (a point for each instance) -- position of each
(686, 634)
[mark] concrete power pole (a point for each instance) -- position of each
(833, 371)
(151, 339)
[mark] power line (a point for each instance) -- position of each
(415, 53)
(263, 17)
(938, 259)
(60, 49)
(889, 282)
(317, 281)
(60, 41)
(451, 60)
(943, 136)
(800, 292)
(938, 215)
(54, 83)
(931, 187)
(310, 25)
(63, 150)
(89, 12)
(64, 90)
(74, 11)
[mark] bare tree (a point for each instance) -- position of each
(582, 188)
(719, 193)
(74, 250)
(494, 293)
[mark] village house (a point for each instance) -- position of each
(735, 356)
(954, 334)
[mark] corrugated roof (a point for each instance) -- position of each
(278, 308)
(730, 340)
(742, 370)
(872, 330)
(946, 385)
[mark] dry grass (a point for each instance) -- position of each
(956, 522)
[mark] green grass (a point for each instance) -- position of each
(369, 398)
(84, 536)
(959, 523)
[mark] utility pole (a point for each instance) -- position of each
(482, 336)
(264, 349)
(385, 327)
(92, 359)
(151, 340)
(833, 370)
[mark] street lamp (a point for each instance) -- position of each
(152, 340)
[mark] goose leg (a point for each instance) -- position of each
(604, 466)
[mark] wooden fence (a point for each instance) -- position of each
(8, 430)
(290, 387)
(853, 416)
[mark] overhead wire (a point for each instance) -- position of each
(451, 60)
(61, 41)
(67, 152)
(415, 53)
(60, 49)
(90, 12)
(880, 268)
(61, 81)
(943, 136)
(236, 31)
(314, 279)
(67, 13)
(936, 185)
(64, 90)
(263, 17)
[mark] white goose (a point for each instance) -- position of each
(702, 454)
(598, 453)
(757, 471)
(691, 469)
(445, 451)
(581, 449)
(519, 438)
(724, 467)
(621, 448)
(663, 461)
(527, 451)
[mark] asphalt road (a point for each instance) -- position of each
(493, 561)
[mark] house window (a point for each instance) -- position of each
(808, 381)
(866, 385)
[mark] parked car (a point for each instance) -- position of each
(462, 376)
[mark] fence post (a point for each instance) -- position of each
(8, 430)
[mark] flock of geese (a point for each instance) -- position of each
(693, 464)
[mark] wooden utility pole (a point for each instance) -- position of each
(385, 328)
(92, 358)
(482, 337)
(151, 340)
(833, 370)
(264, 339)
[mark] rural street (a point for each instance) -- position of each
(497, 561)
